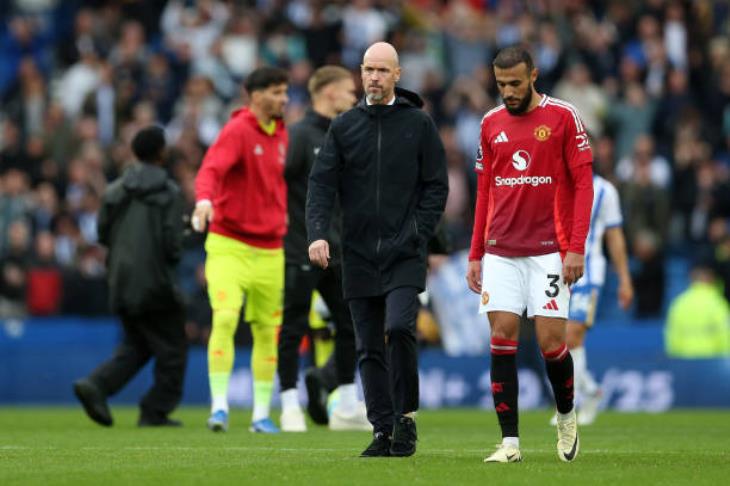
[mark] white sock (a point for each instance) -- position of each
(584, 382)
(259, 413)
(262, 391)
(290, 399)
(511, 441)
(579, 369)
(348, 396)
(589, 384)
(219, 403)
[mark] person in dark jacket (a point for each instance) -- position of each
(333, 91)
(385, 161)
(140, 222)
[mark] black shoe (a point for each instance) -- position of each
(404, 437)
(94, 402)
(316, 397)
(163, 421)
(379, 447)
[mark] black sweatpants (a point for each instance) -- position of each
(385, 332)
(301, 281)
(159, 335)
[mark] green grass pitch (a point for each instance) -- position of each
(61, 446)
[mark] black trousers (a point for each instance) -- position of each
(385, 331)
(159, 335)
(301, 281)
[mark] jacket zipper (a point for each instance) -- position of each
(377, 188)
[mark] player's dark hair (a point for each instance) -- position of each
(148, 144)
(265, 77)
(510, 57)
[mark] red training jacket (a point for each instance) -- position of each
(242, 174)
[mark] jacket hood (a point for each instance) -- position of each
(144, 179)
(246, 115)
(406, 97)
(402, 97)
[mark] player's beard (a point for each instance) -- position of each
(376, 96)
(275, 110)
(524, 104)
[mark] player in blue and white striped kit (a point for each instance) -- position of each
(606, 222)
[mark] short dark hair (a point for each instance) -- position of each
(510, 57)
(148, 143)
(265, 77)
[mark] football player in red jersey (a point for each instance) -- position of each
(532, 216)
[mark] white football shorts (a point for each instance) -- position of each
(535, 283)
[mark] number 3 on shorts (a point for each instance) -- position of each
(554, 289)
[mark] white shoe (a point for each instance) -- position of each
(505, 453)
(350, 419)
(292, 420)
(554, 420)
(568, 443)
(589, 408)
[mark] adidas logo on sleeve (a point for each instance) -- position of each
(502, 137)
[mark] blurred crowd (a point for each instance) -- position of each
(78, 78)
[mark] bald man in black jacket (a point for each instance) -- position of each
(386, 162)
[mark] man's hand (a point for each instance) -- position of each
(319, 253)
(474, 276)
(625, 293)
(202, 215)
(573, 268)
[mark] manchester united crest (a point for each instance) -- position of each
(542, 133)
(485, 298)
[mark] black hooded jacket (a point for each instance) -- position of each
(140, 221)
(387, 165)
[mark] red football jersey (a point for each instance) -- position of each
(533, 195)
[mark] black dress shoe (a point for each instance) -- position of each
(316, 397)
(404, 437)
(379, 447)
(94, 402)
(158, 422)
